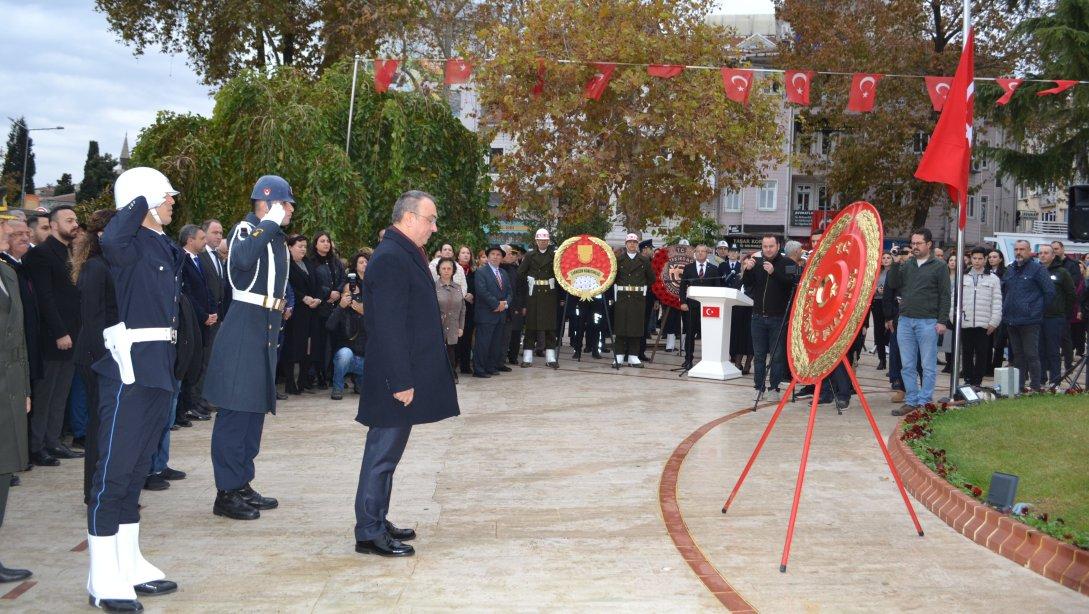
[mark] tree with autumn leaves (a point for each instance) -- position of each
(652, 148)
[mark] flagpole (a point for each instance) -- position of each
(351, 106)
(958, 288)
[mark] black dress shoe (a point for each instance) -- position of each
(175, 427)
(193, 414)
(17, 575)
(156, 481)
(401, 535)
(156, 587)
(644, 358)
(281, 396)
(481, 375)
(15, 481)
(255, 499)
(336, 395)
(63, 451)
(686, 365)
(79, 442)
(116, 605)
(595, 353)
(182, 421)
(229, 503)
(44, 459)
(881, 365)
(577, 355)
(384, 545)
(504, 368)
(172, 474)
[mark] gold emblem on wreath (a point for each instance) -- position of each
(835, 292)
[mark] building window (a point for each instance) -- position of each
(803, 196)
(767, 196)
(1049, 216)
(984, 203)
(823, 202)
(919, 143)
(731, 200)
(971, 206)
(827, 143)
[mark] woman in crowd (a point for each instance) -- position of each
(451, 306)
(996, 264)
(328, 273)
(877, 312)
(464, 353)
(1077, 318)
(346, 327)
(98, 311)
(947, 338)
(298, 345)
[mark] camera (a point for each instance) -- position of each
(353, 283)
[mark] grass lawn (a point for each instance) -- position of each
(1042, 439)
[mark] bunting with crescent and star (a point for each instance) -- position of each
(737, 82)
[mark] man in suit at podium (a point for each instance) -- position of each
(698, 273)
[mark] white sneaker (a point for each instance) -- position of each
(772, 395)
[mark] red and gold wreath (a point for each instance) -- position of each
(669, 263)
(585, 266)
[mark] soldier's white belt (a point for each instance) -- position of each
(118, 340)
(534, 282)
(632, 288)
(544, 282)
(261, 300)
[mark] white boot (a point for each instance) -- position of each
(129, 558)
(671, 342)
(550, 359)
(106, 580)
(633, 361)
(527, 358)
(621, 359)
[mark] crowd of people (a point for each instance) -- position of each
(498, 308)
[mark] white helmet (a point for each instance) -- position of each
(542, 235)
(142, 181)
(631, 237)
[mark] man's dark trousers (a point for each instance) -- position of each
(976, 346)
(766, 339)
(1051, 336)
(50, 402)
(130, 422)
(488, 348)
(1025, 346)
(236, 441)
(383, 451)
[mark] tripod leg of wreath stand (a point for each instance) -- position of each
(801, 476)
(612, 334)
(884, 448)
(665, 318)
(759, 446)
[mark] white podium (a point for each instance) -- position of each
(716, 309)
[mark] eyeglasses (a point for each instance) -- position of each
(431, 219)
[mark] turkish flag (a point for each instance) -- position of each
(383, 74)
(665, 71)
(595, 87)
(738, 84)
(1010, 85)
(458, 70)
(938, 88)
(712, 312)
(1060, 86)
(949, 155)
(863, 92)
(797, 84)
(538, 87)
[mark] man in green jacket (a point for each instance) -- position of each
(1056, 315)
(922, 282)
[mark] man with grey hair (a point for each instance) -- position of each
(408, 379)
(1028, 292)
(195, 288)
(793, 250)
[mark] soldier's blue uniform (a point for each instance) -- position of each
(145, 266)
(241, 375)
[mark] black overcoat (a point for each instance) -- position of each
(301, 327)
(629, 313)
(405, 344)
(50, 267)
(541, 305)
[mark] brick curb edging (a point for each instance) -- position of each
(1018, 542)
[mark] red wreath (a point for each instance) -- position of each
(665, 297)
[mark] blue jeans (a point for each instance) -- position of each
(162, 453)
(765, 333)
(344, 362)
(77, 407)
(918, 341)
(895, 368)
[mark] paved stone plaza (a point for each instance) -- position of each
(543, 495)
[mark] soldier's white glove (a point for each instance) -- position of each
(276, 213)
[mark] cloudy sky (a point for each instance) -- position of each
(62, 67)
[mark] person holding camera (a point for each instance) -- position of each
(767, 281)
(345, 325)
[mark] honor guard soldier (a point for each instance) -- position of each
(241, 377)
(634, 277)
(136, 384)
(646, 248)
(537, 274)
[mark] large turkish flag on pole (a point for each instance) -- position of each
(948, 156)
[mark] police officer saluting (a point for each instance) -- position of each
(136, 383)
(241, 377)
(537, 273)
(634, 277)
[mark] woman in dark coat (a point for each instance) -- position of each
(464, 352)
(329, 276)
(98, 311)
(996, 263)
(298, 343)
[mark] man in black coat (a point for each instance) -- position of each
(408, 379)
(195, 287)
(215, 276)
(698, 273)
(58, 306)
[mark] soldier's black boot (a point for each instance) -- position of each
(577, 354)
(255, 499)
(231, 504)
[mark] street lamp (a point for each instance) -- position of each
(26, 151)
